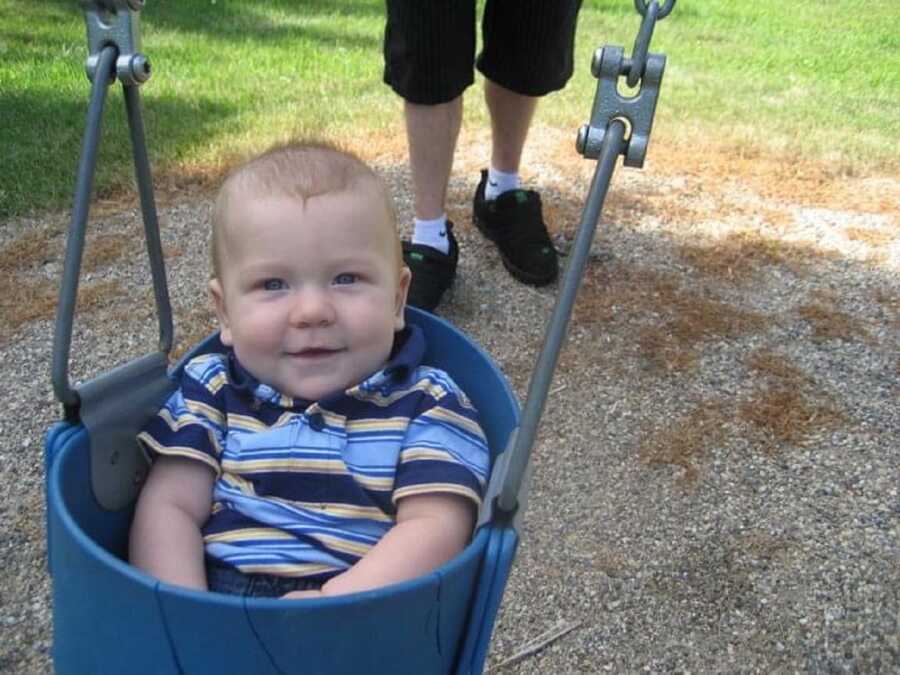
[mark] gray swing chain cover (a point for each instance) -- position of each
(115, 406)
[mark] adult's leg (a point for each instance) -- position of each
(528, 48)
(527, 53)
(528, 44)
(432, 254)
(511, 115)
(431, 131)
(429, 52)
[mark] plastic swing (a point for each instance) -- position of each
(111, 618)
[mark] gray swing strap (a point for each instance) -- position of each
(619, 126)
(114, 405)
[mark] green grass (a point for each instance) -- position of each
(819, 79)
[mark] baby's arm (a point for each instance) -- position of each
(430, 530)
(165, 535)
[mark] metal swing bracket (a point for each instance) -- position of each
(620, 125)
(636, 111)
(114, 405)
(115, 22)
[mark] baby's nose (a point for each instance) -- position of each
(311, 307)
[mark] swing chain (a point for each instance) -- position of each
(642, 43)
(641, 6)
(652, 13)
(115, 23)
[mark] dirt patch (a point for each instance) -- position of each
(672, 320)
(31, 248)
(789, 407)
(27, 294)
(786, 415)
(195, 324)
(683, 442)
(889, 305)
(779, 179)
(106, 249)
(829, 322)
(870, 236)
(768, 363)
(23, 301)
(739, 256)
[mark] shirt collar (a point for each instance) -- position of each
(406, 355)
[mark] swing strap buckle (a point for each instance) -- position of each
(115, 23)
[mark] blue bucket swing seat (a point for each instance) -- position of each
(112, 618)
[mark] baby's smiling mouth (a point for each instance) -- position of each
(314, 352)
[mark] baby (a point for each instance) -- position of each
(315, 454)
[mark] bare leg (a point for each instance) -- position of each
(511, 115)
(515, 225)
(431, 131)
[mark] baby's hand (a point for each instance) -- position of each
(301, 595)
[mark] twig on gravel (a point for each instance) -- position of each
(610, 412)
(537, 644)
(533, 291)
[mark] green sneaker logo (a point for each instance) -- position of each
(418, 257)
(521, 197)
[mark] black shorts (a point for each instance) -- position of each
(429, 46)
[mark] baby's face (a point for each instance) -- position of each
(310, 294)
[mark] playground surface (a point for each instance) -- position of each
(716, 482)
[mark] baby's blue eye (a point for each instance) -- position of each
(345, 278)
(273, 284)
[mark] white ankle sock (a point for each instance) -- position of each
(499, 182)
(432, 233)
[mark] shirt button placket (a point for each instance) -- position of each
(316, 422)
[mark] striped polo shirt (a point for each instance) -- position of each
(305, 489)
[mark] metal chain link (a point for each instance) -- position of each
(642, 44)
(641, 7)
(652, 12)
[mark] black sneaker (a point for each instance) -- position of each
(433, 272)
(514, 222)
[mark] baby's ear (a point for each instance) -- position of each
(400, 300)
(218, 298)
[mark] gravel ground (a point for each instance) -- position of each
(716, 479)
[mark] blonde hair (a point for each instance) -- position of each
(300, 170)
